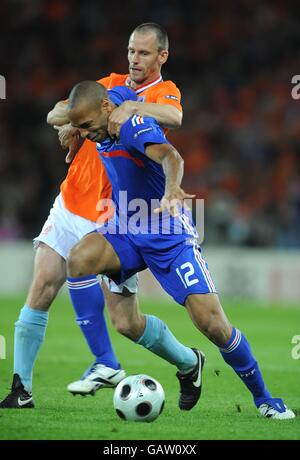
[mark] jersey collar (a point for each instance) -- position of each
(142, 88)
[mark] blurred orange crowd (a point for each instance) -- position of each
(233, 62)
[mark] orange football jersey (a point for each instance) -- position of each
(86, 182)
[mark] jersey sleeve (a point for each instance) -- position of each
(138, 132)
(170, 94)
(120, 94)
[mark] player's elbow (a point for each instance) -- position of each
(177, 119)
(178, 158)
(59, 114)
(174, 118)
(50, 118)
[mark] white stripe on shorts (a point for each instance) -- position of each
(204, 269)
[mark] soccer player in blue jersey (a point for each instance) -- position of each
(143, 164)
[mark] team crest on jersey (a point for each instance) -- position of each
(141, 98)
(137, 120)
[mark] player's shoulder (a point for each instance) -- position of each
(168, 84)
(113, 79)
(169, 89)
(137, 121)
(163, 88)
(137, 125)
(118, 78)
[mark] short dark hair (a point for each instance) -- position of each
(161, 34)
(87, 91)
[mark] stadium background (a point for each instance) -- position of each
(233, 62)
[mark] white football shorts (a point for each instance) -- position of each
(63, 229)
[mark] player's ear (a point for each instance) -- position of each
(105, 103)
(163, 56)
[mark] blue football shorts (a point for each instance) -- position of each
(175, 261)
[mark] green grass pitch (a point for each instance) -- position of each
(225, 410)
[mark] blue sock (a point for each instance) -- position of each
(88, 302)
(237, 353)
(29, 335)
(159, 339)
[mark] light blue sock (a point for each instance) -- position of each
(158, 338)
(29, 335)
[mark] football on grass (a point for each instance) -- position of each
(139, 398)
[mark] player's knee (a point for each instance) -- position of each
(80, 261)
(216, 329)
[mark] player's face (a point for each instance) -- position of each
(145, 60)
(92, 124)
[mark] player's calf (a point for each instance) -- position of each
(49, 276)
(207, 314)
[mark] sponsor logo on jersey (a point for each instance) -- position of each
(141, 131)
(170, 96)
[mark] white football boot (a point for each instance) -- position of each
(97, 376)
(276, 409)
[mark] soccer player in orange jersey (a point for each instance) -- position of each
(75, 213)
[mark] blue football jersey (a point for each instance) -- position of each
(138, 183)
(128, 167)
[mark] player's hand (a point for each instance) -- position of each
(173, 201)
(74, 146)
(118, 117)
(65, 134)
(69, 137)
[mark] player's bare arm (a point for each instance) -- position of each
(69, 137)
(166, 115)
(172, 164)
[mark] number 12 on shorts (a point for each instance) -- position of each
(185, 273)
